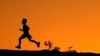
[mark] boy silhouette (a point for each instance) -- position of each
(26, 34)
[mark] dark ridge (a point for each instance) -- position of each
(4, 52)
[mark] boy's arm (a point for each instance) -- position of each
(20, 29)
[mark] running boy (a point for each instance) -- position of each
(26, 34)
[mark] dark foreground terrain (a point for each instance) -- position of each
(42, 53)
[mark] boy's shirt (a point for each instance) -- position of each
(26, 29)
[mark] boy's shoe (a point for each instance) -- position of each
(38, 44)
(18, 47)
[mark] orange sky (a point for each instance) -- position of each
(64, 22)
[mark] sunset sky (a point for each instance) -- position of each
(64, 22)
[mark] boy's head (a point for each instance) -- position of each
(24, 21)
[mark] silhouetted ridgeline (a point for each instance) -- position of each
(41, 53)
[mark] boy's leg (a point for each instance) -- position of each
(19, 43)
(29, 38)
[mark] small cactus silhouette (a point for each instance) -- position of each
(56, 48)
(49, 44)
(69, 48)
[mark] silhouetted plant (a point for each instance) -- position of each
(71, 50)
(56, 48)
(49, 44)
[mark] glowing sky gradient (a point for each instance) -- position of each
(65, 22)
